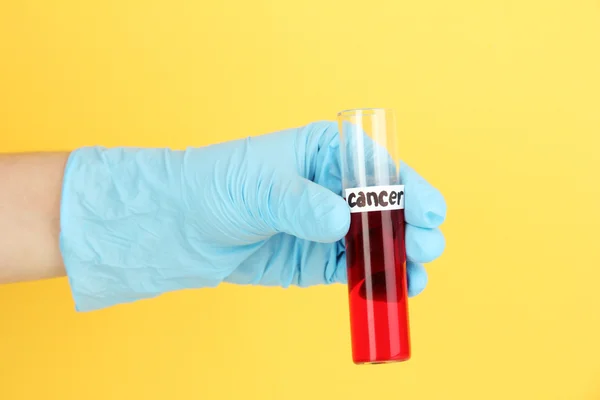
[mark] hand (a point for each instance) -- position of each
(264, 210)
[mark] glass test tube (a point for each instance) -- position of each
(375, 247)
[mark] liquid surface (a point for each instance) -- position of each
(376, 260)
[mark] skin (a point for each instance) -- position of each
(30, 216)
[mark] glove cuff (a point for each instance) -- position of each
(115, 206)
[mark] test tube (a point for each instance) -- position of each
(375, 246)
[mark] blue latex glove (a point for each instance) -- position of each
(264, 210)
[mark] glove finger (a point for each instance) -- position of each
(308, 211)
(424, 245)
(425, 206)
(341, 271)
(417, 278)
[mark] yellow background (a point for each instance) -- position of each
(498, 105)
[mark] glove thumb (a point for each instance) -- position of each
(308, 211)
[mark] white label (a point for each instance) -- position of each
(375, 198)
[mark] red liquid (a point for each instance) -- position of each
(376, 260)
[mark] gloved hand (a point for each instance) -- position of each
(264, 210)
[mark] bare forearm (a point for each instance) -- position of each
(30, 189)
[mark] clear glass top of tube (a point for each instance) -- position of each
(369, 147)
